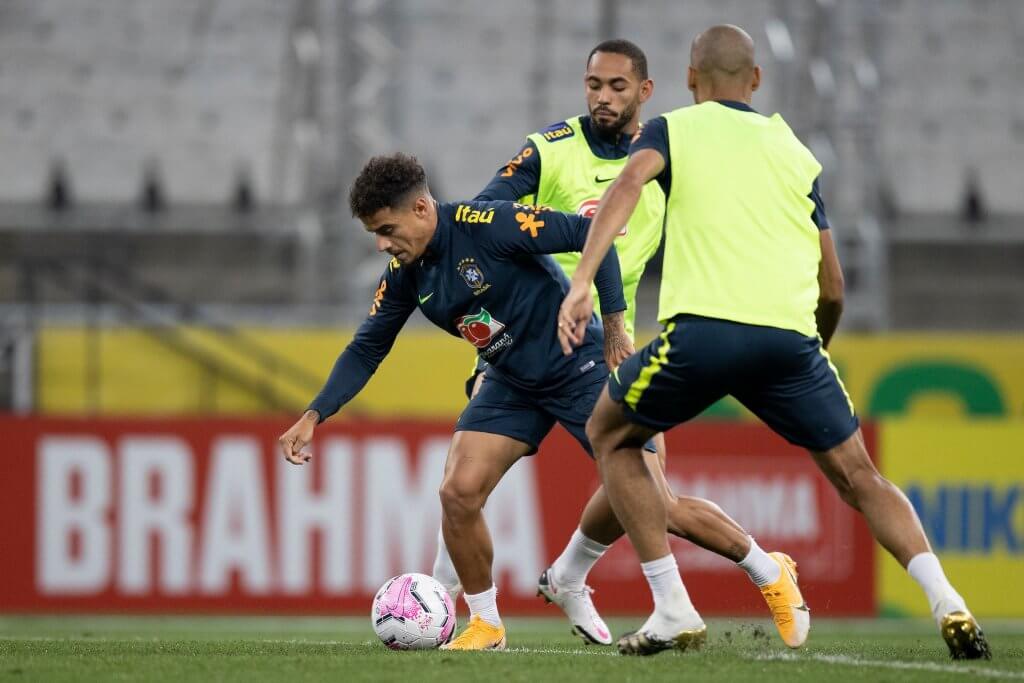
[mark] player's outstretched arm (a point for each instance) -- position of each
(392, 306)
(613, 212)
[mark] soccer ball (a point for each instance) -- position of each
(413, 612)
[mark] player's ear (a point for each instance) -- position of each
(421, 206)
(691, 79)
(646, 90)
(755, 82)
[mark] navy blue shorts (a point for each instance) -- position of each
(481, 366)
(783, 377)
(500, 408)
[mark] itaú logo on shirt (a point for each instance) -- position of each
(589, 208)
(479, 329)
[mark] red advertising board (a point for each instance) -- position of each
(205, 516)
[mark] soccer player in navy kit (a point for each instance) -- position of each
(479, 270)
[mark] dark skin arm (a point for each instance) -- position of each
(617, 205)
(830, 290)
(617, 345)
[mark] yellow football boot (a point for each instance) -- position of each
(479, 635)
(789, 611)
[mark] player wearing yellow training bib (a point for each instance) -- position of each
(567, 166)
(751, 294)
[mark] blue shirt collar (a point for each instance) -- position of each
(733, 104)
(602, 147)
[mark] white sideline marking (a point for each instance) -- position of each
(551, 651)
(891, 664)
(770, 657)
(299, 641)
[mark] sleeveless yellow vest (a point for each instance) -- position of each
(739, 240)
(573, 179)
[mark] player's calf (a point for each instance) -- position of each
(894, 524)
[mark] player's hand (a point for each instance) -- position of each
(617, 344)
(573, 316)
(298, 437)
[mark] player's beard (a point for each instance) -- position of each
(614, 129)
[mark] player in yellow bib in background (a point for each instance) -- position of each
(567, 167)
(751, 294)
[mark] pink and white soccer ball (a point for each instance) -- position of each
(413, 612)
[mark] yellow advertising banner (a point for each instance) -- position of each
(186, 370)
(966, 480)
(933, 375)
(191, 370)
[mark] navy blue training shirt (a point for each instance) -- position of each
(654, 135)
(485, 276)
(520, 177)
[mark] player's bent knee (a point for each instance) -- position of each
(460, 498)
(866, 481)
(850, 470)
(843, 483)
(696, 507)
(666, 493)
(603, 424)
(858, 484)
(671, 499)
(595, 434)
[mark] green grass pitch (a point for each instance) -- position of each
(345, 649)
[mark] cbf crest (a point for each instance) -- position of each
(473, 276)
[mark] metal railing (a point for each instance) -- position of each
(274, 380)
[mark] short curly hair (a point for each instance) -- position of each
(626, 49)
(385, 182)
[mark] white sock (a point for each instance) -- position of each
(942, 597)
(485, 605)
(573, 565)
(670, 596)
(760, 566)
(444, 570)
